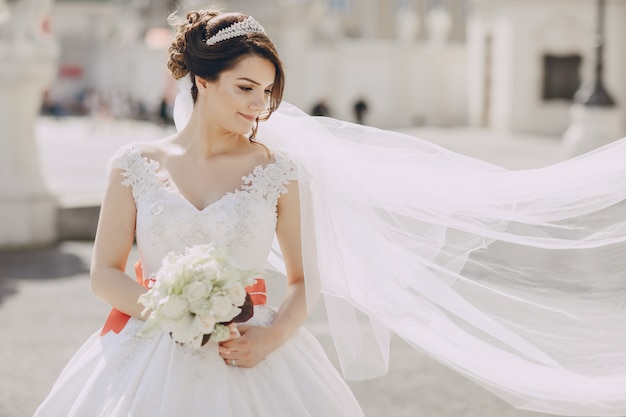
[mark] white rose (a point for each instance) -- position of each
(150, 326)
(201, 308)
(228, 276)
(236, 293)
(207, 323)
(147, 299)
(209, 270)
(154, 296)
(221, 307)
(167, 325)
(177, 282)
(186, 329)
(188, 272)
(173, 307)
(196, 291)
(234, 312)
(248, 278)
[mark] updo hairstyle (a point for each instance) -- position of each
(189, 52)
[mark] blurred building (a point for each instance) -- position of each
(507, 64)
(529, 58)
(113, 55)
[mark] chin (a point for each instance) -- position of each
(242, 130)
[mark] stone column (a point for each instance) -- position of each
(369, 19)
(407, 24)
(28, 212)
(438, 24)
(5, 12)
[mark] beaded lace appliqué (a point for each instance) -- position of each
(139, 171)
(234, 214)
(269, 182)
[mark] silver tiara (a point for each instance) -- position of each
(248, 25)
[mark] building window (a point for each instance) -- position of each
(561, 77)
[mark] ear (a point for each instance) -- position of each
(201, 83)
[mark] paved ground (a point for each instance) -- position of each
(47, 309)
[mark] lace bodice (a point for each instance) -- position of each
(243, 220)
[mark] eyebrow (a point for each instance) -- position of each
(252, 81)
(248, 79)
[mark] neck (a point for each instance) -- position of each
(204, 139)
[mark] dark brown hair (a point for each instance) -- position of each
(189, 52)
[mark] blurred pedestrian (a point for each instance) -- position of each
(360, 110)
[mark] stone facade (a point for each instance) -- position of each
(377, 51)
(513, 43)
(27, 67)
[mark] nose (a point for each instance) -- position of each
(257, 103)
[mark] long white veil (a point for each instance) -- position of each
(516, 279)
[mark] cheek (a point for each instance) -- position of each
(232, 97)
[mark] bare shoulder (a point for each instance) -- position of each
(258, 154)
(158, 149)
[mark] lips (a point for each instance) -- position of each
(247, 117)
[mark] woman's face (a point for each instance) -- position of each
(236, 99)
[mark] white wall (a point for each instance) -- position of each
(402, 84)
(111, 53)
(523, 31)
(553, 30)
(615, 71)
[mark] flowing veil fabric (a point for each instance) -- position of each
(515, 279)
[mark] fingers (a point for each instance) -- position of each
(230, 356)
(238, 363)
(243, 329)
(243, 347)
(236, 352)
(225, 348)
(234, 334)
(234, 331)
(237, 359)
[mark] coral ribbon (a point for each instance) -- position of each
(116, 320)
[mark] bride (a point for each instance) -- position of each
(209, 183)
(515, 279)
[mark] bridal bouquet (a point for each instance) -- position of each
(196, 294)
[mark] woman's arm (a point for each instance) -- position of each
(114, 240)
(258, 342)
(293, 310)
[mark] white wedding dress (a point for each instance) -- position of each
(123, 375)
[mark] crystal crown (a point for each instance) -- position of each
(248, 25)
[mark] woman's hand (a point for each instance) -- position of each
(249, 346)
